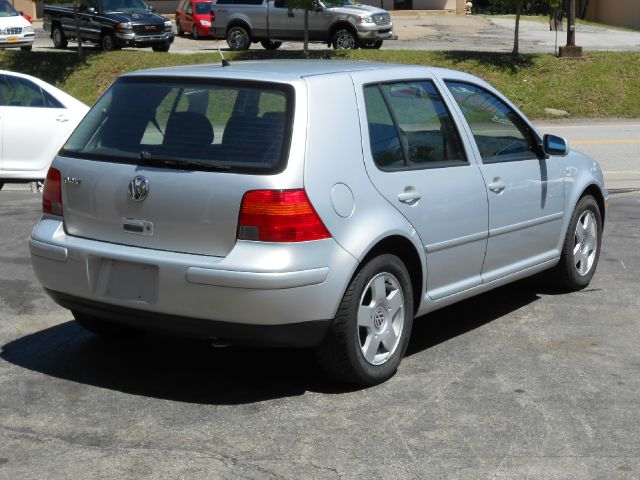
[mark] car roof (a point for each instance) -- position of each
(279, 69)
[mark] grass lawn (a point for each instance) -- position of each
(601, 85)
(545, 19)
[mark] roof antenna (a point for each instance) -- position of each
(225, 63)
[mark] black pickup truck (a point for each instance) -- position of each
(110, 24)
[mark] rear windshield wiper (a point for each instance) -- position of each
(187, 164)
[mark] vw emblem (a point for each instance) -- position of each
(138, 188)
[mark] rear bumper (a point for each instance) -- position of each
(305, 334)
(256, 284)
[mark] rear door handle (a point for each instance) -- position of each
(61, 118)
(410, 198)
(497, 186)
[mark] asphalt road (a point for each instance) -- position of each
(518, 383)
(443, 32)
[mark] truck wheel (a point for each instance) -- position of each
(371, 329)
(270, 44)
(372, 44)
(161, 48)
(59, 38)
(107, 42)
(344, 40)
(238, 38)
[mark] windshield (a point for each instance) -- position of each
(203, 7)
(6, 10)
(187, 124)
(337, 3)
(124, 5)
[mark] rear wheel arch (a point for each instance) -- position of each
(406, 251)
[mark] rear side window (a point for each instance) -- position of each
(410, 127)
(20, 92)
(234, 126)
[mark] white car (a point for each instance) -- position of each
(35, 120)
(15, 30)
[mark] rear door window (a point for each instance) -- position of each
(229, 126)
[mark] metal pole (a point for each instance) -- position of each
(571, 27)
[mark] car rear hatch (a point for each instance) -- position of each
(164, 162)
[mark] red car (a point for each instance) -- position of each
(27, 17)
(194, 17)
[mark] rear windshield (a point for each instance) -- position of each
(188, 124)
(203, 7)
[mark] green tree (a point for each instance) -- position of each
(77, 4)
(307, 6)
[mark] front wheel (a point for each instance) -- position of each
(161, 48)
(270, 44)
(371, 330)
(59, 38)
(344, 39)
(581, 248)
(238, 38)
(108, 42)
(194, 33)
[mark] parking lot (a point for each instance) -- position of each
(441, 32)
(520, 382)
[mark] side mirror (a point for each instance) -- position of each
(557, 146)
(317, 6)
(152, 8)
(91, 10)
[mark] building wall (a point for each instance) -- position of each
(434, 4)
(623, 13)
(26, 6)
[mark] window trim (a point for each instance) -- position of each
(537, 150)
(407, 166)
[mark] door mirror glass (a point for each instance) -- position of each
(554, 145)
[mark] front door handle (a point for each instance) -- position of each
(497, 186)
(410, 197)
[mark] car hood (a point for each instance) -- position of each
(358, 10)
(13, 21)
(141, 17)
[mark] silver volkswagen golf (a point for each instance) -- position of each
(319, 204)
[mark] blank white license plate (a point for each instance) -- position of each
(128, 281)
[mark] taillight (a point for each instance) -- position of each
(213, 16)
(279, 216)
(52, 195)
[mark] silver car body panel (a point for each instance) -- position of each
(219, 278)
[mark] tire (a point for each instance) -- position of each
(238, 38)
(194, 33)
(270, 44)
(161, 48)
(581, 248)
(37, 187)
(59, 38)
(366, 343)
(27, 48)
(371, 45)
(104, 328)
(108, 42)
(344, 39)
(179, 30)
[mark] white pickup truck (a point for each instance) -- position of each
(340, 23)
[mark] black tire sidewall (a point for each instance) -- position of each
(573, 280)
(367, 373)
(106, 47)
(246, 35)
